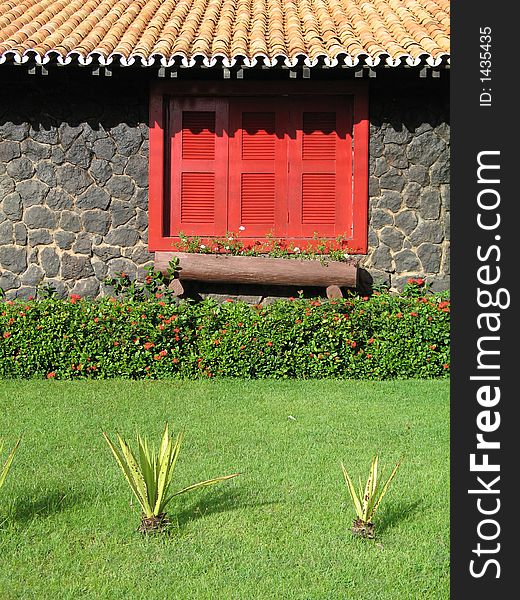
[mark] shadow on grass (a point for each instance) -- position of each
(397, 513)
(211, 504)
(47, 504)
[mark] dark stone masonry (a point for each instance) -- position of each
(74, 182)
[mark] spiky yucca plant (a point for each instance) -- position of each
(367, 502)
(150, 476)
(7, 465)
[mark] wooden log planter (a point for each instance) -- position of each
(225, 268)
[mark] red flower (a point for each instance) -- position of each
(242, 347)
(74, 298)
(51, 375)
(443, 304)
(96, 320)
(269, 344)
(353, 344)
(157, 357)
(446, 366)
(399, 315)
(7, 334)
(418, 281)
(414, 314)
(148, 345)
(371, 341)
(369, 356)
(175, 360)
(216, 342)
(163, 352)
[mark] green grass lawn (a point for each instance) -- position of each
(280, 530)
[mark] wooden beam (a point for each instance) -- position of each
(259, 270)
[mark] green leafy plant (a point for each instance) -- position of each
(150, 474)
(367, 502)
(7, 465)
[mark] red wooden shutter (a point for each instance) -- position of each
(258, 166)
(199, 164)
(320, 168)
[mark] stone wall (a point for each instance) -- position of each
(409, 184)
(74, 183)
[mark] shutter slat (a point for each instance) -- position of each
(198, 198)
(198, 135)
(258, 135)
(319, 136)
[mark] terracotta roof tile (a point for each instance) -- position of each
(167, 32)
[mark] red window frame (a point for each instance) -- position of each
(166, 99)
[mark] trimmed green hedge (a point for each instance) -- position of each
(380, 337)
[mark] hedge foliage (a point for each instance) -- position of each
(378, 337)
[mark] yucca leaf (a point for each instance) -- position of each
(196, 486)
(136, 473)
(352, 491)
(385, 488)
(147, 468)
(164, 465)
(121, 461)
(8, 462)
(368, 491)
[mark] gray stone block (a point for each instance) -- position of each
(122, 265)
(95, 221)
(8, 280)
(68, 134)
(44, 135)
(396, 155)
(35, 151)
(100, 171)
(430, 203)
(9, 150)
(127, 139)
(407, 221)
(392, 237)
(425, 149)
(58, 199)
(70, 221)
(373, 187)
(75, 267)
(440, 172)
(39, 237)
(137, 169)
(7, 185)
(33, 276)
(87, 288)
(94, 197)
(20, 234)
(382, 258)
(83, 244)
(64, 239)
(104, 148)
(405, 261)
(6, 233)
(121, 212)
(141, 199)
(380, 218)
(427, 231)
(106, 253)
(140, 255)
(36, 217)
(46, 172)
(392, 180)
(390, 200)
(412, 194)
(121, 187)
(12, 206)
(32, 192)
(419, 174)
(20, 168)
(78, 154)
(123, 236)
(430, 257)
(49, 261)
(401, 136)
(75, 180)
(13, 259)
(12, 131)
(439, 283)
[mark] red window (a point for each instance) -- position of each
(289, 165)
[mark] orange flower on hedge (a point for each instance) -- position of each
(7, 334)
(163, 352)
(51, 375)
(269, 344)
(148, 345)
(74, 298)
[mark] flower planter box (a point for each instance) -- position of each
(267, 270)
